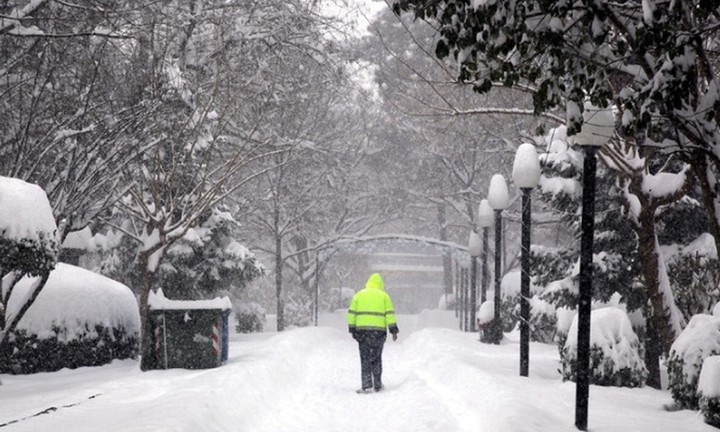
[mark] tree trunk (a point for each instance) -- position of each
(278, 269)
(446, 257)
(653, 351)
(278, 284)
(661, 333)
(146, 286)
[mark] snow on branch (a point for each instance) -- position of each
(508, 111)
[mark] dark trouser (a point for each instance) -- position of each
(371, 346)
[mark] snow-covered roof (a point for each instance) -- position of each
(158, 301)
(73, 298)
(25, 211)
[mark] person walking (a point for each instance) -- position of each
(370, 316)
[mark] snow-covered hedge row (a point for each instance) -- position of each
(699, 340)
(79, 319)
(615, 351)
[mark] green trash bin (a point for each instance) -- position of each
(185, 334)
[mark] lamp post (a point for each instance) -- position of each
(474, 248)
(526, 175)
(598, 127)
(462, 287)
(498, 199)
(485, 221)
(317, 287)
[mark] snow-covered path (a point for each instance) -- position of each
(437, 379)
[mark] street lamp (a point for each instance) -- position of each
(598, 127)
(498, 199)
(484, 221)
(462, 290)
(474, 248)
(526, 175)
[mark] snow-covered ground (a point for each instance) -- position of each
(437, 379)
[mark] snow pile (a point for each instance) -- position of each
(25, 211)
(76, 300)
(615, 350)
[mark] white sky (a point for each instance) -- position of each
(358, 12)
(437, 379)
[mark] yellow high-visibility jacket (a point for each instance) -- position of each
(371, 308)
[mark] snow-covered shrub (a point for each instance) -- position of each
(79, 319)
(709, 390)
(485, 313)
(510, 307)
(510, 311)
(615, 352)
(485, 317)
(250, 317)
(543, 321)
(563, 317)
(298, 312)
(27, 228)
(694, 276)
(699, 340)
(447, 302)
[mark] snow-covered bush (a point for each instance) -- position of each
(298, 311)
(615, 351)
(564, 318)
(709, 390)
(79, 319)
(447, 302)
(510, 311)
(699, 340)
(485, 317)
(510, 307)
(694, 276)
(250, 317)
(543, 321)
(27, 229)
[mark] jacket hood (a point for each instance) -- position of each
(375, 281)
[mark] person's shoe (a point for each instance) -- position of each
(365, 390)
(377, 389)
